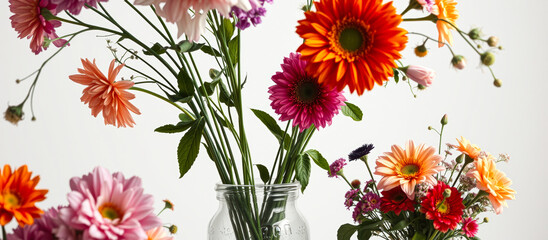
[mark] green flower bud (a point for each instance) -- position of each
(493, 41)
(485, 219)
(421, 87)
(458, 61)
(173, 229)
(474, 34)
(444, 120)
(14, 114)
(487, 58)
(497, 82)
(447, 193)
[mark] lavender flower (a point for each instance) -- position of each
(253, 16)
(360, 152)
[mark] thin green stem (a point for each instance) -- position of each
(4, 233)
(435, 40)
(165, 99)
(441, 135)
(434, 235)
(371, 174)
(461, 34)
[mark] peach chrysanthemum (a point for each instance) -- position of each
(447, 10)
(18, 196)
(408, 167)
(105, 95)
(492, 181)
(351, 43)
(467, 148)
(159, 233)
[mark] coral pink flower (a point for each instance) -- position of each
(422, 75)
(299, 97)
(109, 206)
(105, 95)
(159, 233)
(177, 11)
(28, 22)
(469, 227)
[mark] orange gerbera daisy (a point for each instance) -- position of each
(467, 148)
(105, 95)
(406, 168)
(447, 10)
(492, 181)
(18, 196)
(351, 43)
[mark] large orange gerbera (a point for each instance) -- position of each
(467, 148)
(18, 196)
(105, 95)
(447, 10)
(406, 168)
(351, 43)
(492, 181)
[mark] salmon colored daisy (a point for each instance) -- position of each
(493, 181)
(351, 43)
(408, 167)
(28, 22)
(467, 148)
(18, 196)
(447, 10)
(105, 95)
(159, 233)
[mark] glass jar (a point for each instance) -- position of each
(259, 212)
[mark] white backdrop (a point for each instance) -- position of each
(67, 141)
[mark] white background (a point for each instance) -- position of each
(67, 141)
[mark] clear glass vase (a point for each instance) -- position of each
(260, 212)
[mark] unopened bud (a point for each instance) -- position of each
(14, 114)
(487, 58)
(214, 74)
(474, 34)
(485, 219)
(355, 183)
(168, 204)
(17, 81)
(173, 229)
(444, 120)
(421, 51)
(459, 62)
(33, 118)
(493, 41)
(421, 87)
(460, 159)
(429, 127)
(500, 48)
(497, 82)
(447, 193)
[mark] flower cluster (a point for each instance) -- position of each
(101, 206)
(426, 197)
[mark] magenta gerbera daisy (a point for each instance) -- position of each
(469, 227)
(109, 206)
(299, 97)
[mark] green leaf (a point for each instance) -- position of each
(170, 128)
(352, 111)
(209, 87)
(185, 84)
(400, 225)
(211, 51)
(364, 234)
(396, 75)
(263, 171)
(189, 147)
(346, 231)
(270, 123)
(209, 153)
(221, 120)
(188, 46)
(302, 170)
(318, 159)
(371, 224)
(226, 96)
(156, 48)
(228, 29)
(233, 48)
(185, 118)
(418, 236)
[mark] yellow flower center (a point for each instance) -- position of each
(410, 170)
(442, 207)
(350, 38)
(110, 211)
(11, 200)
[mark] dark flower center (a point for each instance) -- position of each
(351, 39)
(307, 91)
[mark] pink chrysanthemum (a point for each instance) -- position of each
(105, 95)
(469, 227)
(28, 22)
(109, 206)
(299, 97)
(159, 233)
(47, 227)
(74, 6)
(177, 11)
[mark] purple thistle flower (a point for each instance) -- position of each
(336, 167)
(360, 152)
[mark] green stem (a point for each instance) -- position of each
(165, 99)
(371, 174)
(432, 39)
(431, 18)
(434, 235)
(441, 134)
(4, 233)
(461, 34)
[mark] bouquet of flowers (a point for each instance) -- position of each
(347, 44)
(423, 195)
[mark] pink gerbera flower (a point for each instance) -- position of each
(469, 227)
(105, 95)
(28, 22)
(159, 233)
(299, 97)
(192, 24)
(109, 206)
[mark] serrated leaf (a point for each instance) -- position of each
(352, 111)
(189, 147)
(263, 171)
(346, 231)
(302, 170)
(318, 159)
(364, 234)
(233, 49)
(185, 84)
(155, 49)
(211, 51)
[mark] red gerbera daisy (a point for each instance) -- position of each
(446, 212)
(352, 43)
(396, 200)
